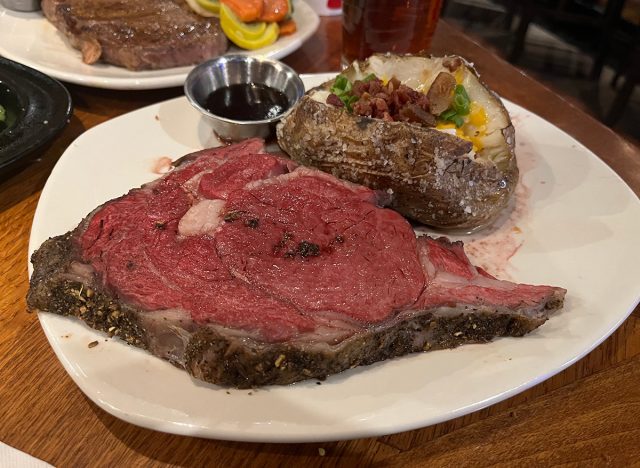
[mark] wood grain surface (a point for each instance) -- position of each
(588, 415)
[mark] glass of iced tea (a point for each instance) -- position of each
(398, 26)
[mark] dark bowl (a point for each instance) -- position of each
(38, 107)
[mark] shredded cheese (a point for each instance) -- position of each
(474, 129)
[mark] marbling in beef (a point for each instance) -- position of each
(246, 270)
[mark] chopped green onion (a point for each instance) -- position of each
(341, 86)
(459, 108)
(461, 101)
(369, 77)
(341, 82)
(350, 101)
(448, 114)
(458, 121)
(452, 117)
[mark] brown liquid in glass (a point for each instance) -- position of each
(398, 26)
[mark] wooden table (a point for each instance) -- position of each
(588, 414)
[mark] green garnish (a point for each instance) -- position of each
(3, 114)
(459, 108)
(342, 88)
(461, 101)
(448, 114)
(350, 101)
(369, 77)
(458, 121)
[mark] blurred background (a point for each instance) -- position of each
(584, 50)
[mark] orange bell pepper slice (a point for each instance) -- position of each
(274, 10)
(246, 10)
(287, 27)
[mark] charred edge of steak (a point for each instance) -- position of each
(241, 363)
(50, 292)
(97, 310)
(49, 260)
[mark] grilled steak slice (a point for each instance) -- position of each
(246, 270)
(139, 35)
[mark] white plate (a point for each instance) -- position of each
(30, 39)
(578, 226)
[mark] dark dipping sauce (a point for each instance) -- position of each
(247, 101)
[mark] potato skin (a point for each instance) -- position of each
(433, 179)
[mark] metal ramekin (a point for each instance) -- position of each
(21, 5)
(238, 69)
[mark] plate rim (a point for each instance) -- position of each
(175, 79)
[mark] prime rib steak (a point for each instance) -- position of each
(246, 270)
(138, 35)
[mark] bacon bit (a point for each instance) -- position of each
(452, 63)
(334, 100)
(414, 113)
(392, 101)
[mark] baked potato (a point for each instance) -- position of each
(448, 160)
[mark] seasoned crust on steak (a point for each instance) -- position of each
(210, 354)
(52, 289)
(214, 358)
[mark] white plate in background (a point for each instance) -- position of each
(30, 39)
(578, 230)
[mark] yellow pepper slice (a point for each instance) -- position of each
(210, 5)
(247, 35)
